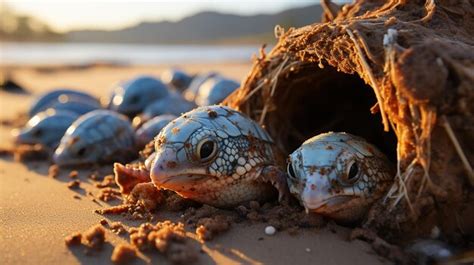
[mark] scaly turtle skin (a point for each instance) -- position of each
(213, 155)
(98, 136)
(134, 95)
(48, 99)
(151, 128)
(177, 79)
(46, 128)
(215, 90)
(338, 175)
(217, 156)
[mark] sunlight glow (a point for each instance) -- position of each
(64, 15)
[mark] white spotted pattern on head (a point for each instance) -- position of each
(243, 148)
(334, 170)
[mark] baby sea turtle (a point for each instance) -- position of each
(177, 79)
(193, 90)
(215, 90)
(131, 97)
(213, 155)
(174, 104)
(76, 105)
(338, 175)
(46, 128)
(98, 136)
(59, 96)
(151, 128)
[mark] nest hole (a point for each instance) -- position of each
(311, 102)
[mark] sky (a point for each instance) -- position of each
(64, 15)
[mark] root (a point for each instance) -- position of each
(447, 126)
(373, 82)
(273, 82)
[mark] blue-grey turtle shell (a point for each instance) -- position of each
(131, 97)
(215, 90)
(177, 79)
(60, 95)
(46, 128)
(224, 120)
(152, 128)
(98, 136)
(75, 105)
(174, 104)
(193, 90)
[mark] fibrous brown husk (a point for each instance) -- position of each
(399, 73)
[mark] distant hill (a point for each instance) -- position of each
(205, 27)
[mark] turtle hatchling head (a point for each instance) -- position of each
(45, 128)
(133, 96)
(97, 136)
(201, 150)
(338, 175)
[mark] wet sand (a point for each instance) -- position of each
(37, 211)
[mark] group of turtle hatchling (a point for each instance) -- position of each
(211, 154)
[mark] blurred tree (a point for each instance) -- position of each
(17, 27)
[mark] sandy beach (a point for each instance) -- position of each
(37, 211)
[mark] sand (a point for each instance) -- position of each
(37, 212)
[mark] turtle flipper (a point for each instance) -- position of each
(127, 177)
(277, 178)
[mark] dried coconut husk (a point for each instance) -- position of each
(401, 75)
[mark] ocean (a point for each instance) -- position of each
(85, 53)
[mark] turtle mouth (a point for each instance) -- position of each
(328, 205)
(180, 180)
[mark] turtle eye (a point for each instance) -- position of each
(134, 99)
(353, 173)
(206, 150)
(290, 170)
(81, 152)
(38, 133)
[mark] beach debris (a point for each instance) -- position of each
(53, 171)
(94, 237)
(139, 204)
(73, 174)
(215, 90)
(210, 227)
(74, 184)
(151, 128)
(73, 239)
(217, 156)
(270, 230)
(430, 251)
(118, 228)
(61, 96)
(26, 153)
(109, 194)
(131, 97)
(46, 128)
(107, 181)
(338, 175)
(168, 238)
(7, 83)
(177, 79)
(98, 136)
(123, 254)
